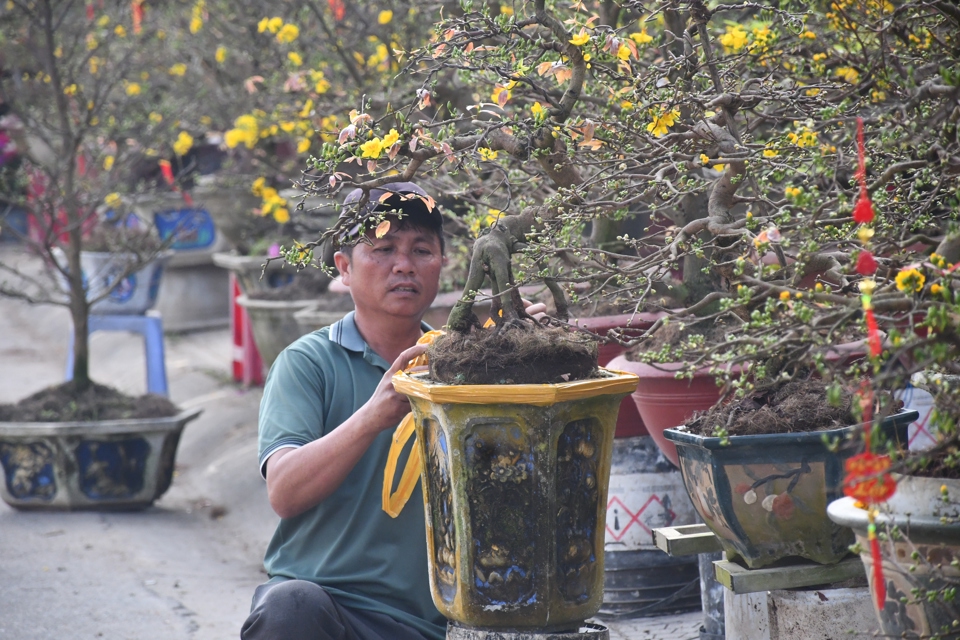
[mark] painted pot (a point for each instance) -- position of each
(254, 273)
(916, 510)
(111, 464)
(515, 493)
(133, 294)
(765, 496)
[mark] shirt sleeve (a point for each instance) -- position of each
(292, 409)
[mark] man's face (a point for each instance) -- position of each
(398, 274)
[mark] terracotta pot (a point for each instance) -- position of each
(765, 497)
(664, 402)
(916, 509)
(629, 422)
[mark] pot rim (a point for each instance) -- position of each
(709, 442)
(669, 369)
(247, 302)
(613, 382)
(104, 427)
(844, 512)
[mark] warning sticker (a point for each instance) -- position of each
(638, 503)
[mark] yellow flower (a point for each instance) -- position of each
(662, 122)
(812, 92)
(793, 192)
(273, 24)
(295, 58)
(287, 127)
(784, 295)
(910, 280)
(704, 159)
(878, 96)
(321, 85)
(183, 143)
(220, 55)
(94, 64)
(936, 289)
(385, 17)
(70, 90)
(257, 187)
(623, 52)
(938, 260)
(804, 138)
(626, 105)
(108, 163)
(262, 25)
(719, 167)
(103, 21)
(487, 154)
(196, 23)
(372, 148)
(580, 39)
(288, 33)
(390, 139)
(281, 215)
(112, 199)
(92, 42)
(641, 37)
(505, 10)
(178, 69)
(770, 153)
(734, 39)
(537, 109)
(864, 233)
(307, 108)
(303, 145)
(810, 35)
(849, 74)
(133, 89)
(120, 31)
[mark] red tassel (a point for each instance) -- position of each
(338, 8)
(90, 11)
(873, 334)
(167, 171)
(866, 264)
(879, 584)
(863, 210)
(136, 8)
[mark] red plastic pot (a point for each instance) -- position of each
(629, 422)
(665, 402)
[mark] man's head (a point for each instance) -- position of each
(397, 274)
(405, 204)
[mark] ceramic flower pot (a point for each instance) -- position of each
(274, 324)
(134, 294)
(931, 529)
(515, 492)
(765, 496)
(112, 464)
(254, 273)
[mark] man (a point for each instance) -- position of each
(340, 568)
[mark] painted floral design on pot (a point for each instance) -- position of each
(765, 496)
(918, 561)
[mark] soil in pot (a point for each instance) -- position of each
(308, 284)
(63, 403)
(795, 406)
(518, 355)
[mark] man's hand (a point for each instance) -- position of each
(536, 309)
(386, 407)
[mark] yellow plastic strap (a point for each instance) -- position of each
(393, 503)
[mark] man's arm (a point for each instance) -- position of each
(298, 479)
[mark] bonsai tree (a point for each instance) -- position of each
(732, 129)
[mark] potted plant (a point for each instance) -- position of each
(80, 445)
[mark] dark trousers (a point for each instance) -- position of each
(302, 610)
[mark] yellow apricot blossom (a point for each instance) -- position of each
(183, 144)
(910, 280)
(220, 55)
(487, 153)
(641, 37)
(178, 69)
(770, 153)
(295, 58)
(288, 33)
(385, 17)
(390, 139)
(94, 65)
(848, 74)
(133, 89)
(734, 39)
(372, 148)
(108, 163)
(70, 90)
(112, 199)
(793, 192)
(303, 144)
(580, 39)
(120, 31)
(661, 122)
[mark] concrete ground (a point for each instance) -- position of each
(186, 567)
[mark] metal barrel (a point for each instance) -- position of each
(646, 492)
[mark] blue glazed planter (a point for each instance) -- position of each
(113, 464)
(765, 497)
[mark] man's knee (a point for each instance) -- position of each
(292, 609)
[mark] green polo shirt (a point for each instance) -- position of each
(347, 544)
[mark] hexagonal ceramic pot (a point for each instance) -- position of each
(765, 496)
(515, 489)
(111, 464)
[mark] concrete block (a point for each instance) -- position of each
(799, 614)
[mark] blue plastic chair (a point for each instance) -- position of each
(150, 326)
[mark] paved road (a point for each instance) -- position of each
(186, 567)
